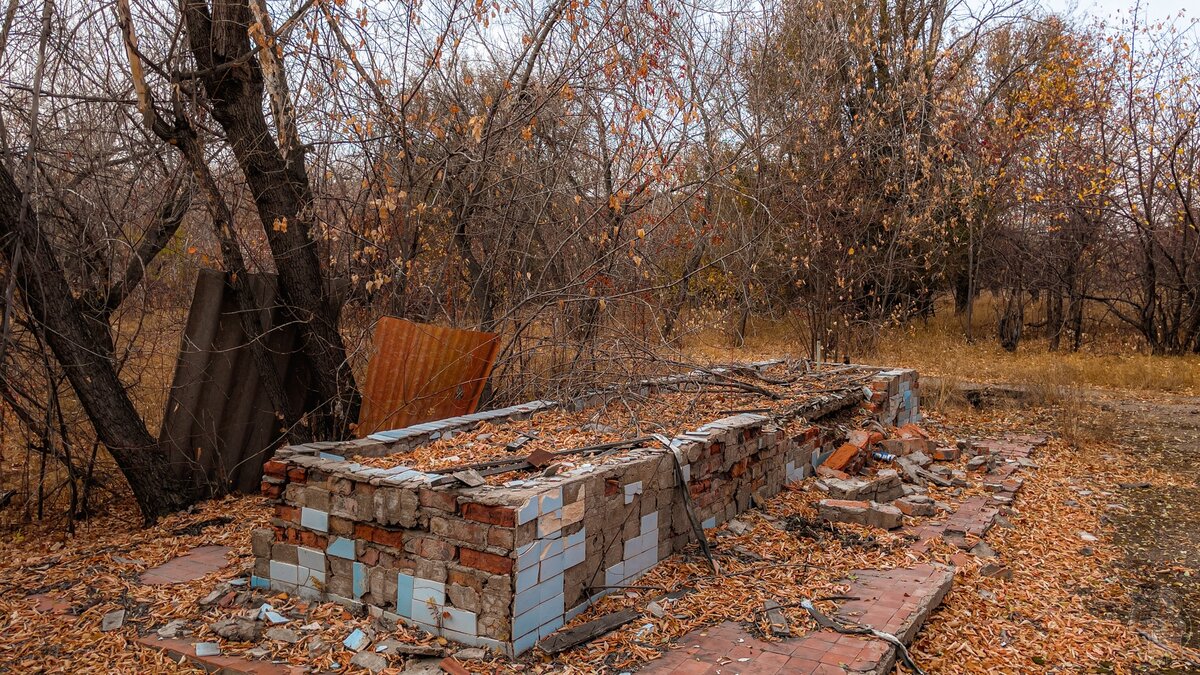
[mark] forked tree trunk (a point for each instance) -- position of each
(278, 179)
(85, 357)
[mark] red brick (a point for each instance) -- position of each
(379, 535)
(846, 458)
(438, 499)
(611, 487)
(272, 490)
(288, 513)
(738, 469)
(297, 474)
(313, 540)
(492, 515)
(488, 562)
(370, 556)
(461, 578)
(275, 468)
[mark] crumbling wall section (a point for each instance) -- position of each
(504, 566)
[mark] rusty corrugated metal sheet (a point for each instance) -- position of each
(421, 372)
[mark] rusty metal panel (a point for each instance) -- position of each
(421, 372)
(219, 425)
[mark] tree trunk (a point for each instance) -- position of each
(1054, 318)
(233, 80)
(85, 358)
(1012, 322)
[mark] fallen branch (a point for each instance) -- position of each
(852, 628)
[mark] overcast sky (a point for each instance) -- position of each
(1116, 9)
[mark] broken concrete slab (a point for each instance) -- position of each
(884, 487)
(238, 629)
(369, 660)
(916, 505)
(883, 516)
(112, 621)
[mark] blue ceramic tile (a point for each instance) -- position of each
(404, 594)
(360, 580)
(314, 519)
(341, 547)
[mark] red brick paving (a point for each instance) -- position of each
(188, 567)
(894, 601)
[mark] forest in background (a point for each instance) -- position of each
(596, 181)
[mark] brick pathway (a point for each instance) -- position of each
(894, 601)
(192, 565)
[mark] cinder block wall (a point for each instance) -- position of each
(505, 566)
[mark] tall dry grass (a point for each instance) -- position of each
(1111, 358)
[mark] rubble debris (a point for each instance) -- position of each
(207, 649)
(171, 629)
(565, 639)
(112, 621)
(392, 646)
(826, 472)
(238, 629)
(884, 487)
(982, 550)
(883, 516)
(453, 667)
(916, 505)
(778, 620)
(356, 640)
(996, 570)
(848, 458)
(369, 660)
(979, 463)
(469, 477)
(279, 634)
(946, 453)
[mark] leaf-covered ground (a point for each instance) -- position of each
(1121, 603)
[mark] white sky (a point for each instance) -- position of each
(1114, 10)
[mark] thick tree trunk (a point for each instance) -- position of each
(85, 358)
(233, 81)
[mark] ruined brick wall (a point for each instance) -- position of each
(504, 566)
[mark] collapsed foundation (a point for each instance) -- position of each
(504, 566)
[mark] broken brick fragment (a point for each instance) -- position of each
(945, 453)
(848, 458)
(275, 468)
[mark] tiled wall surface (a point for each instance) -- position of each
(505, 566)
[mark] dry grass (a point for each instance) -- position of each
(1112, 357)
